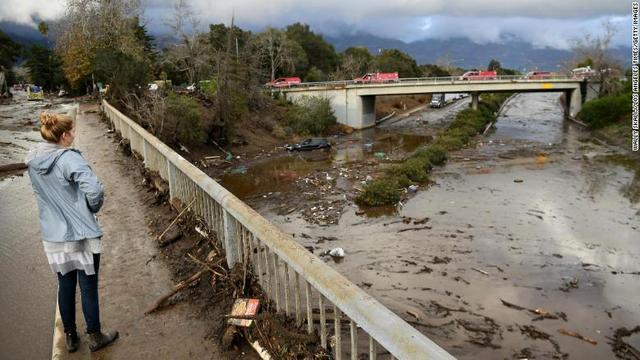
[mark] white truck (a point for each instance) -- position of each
(439, 100)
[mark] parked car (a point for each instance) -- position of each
(309, 144)
(479, 75)
(283, 82)
(538, 75)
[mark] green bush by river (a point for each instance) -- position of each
(387, 190)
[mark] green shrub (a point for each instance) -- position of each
(450, 142)
(384, 191)
(209, 88)
(279, 132)
(462, 133)
(467, 123)
(310, 115)
(605, 111)
(415, 169)
(470, 118)
(183, 112)
(402, 180)
(436, 155)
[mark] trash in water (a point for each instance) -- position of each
(541, 159)
(412, 188)
(369, 178)
(337, 252)
(518, 180)
(242, 169)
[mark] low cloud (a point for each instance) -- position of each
(28, 12)
(543, 23)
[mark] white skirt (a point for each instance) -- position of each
(72, 255)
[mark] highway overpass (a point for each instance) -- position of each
(354, 104)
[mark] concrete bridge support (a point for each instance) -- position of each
(573, 103)
(349, 107)
(474, 100)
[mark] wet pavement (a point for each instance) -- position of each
(536, 215)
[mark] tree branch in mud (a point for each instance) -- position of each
(542, 314)
(621, 348)
(181, 286)
(159, 238)
(577, 336)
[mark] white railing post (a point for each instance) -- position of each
(230, 239)
(171, 172)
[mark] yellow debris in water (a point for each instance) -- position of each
(541, 159)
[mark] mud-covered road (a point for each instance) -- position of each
(132, 273)
(527, 237)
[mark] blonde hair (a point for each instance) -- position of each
(54, 125)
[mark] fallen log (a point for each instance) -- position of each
(415, 228)
(182, 285)
(577, 336)
(13, 167)
(480, 271)
(542, 314)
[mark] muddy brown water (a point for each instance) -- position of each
(535, 215)
(277, 173)
(27, 286)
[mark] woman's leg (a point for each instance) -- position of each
(89, 294)
(67, 300)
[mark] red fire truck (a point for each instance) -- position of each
(377, 78)
(479, 75)
(283, 82)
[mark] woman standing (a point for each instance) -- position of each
(69, 194)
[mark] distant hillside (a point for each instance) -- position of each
(462, 52)
(22, 34)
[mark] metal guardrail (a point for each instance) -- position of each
(291, 276)
(426, 81)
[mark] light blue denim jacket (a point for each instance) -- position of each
(67, 191)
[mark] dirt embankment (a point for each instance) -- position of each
(386, 105)
(264, 131)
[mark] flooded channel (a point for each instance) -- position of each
(529, 236)
(28, 288)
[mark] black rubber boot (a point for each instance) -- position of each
(99, 340)
(72, 341)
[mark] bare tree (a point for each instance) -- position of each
(596, 52)
(191, 54)
(350, 67)
(277, 49)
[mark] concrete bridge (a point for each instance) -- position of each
(354, 104)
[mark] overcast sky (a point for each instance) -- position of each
(541, 22)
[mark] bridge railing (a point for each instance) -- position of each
(300, 284)
(425, 81)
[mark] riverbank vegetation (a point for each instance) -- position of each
(609, 115)
(388, 189)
